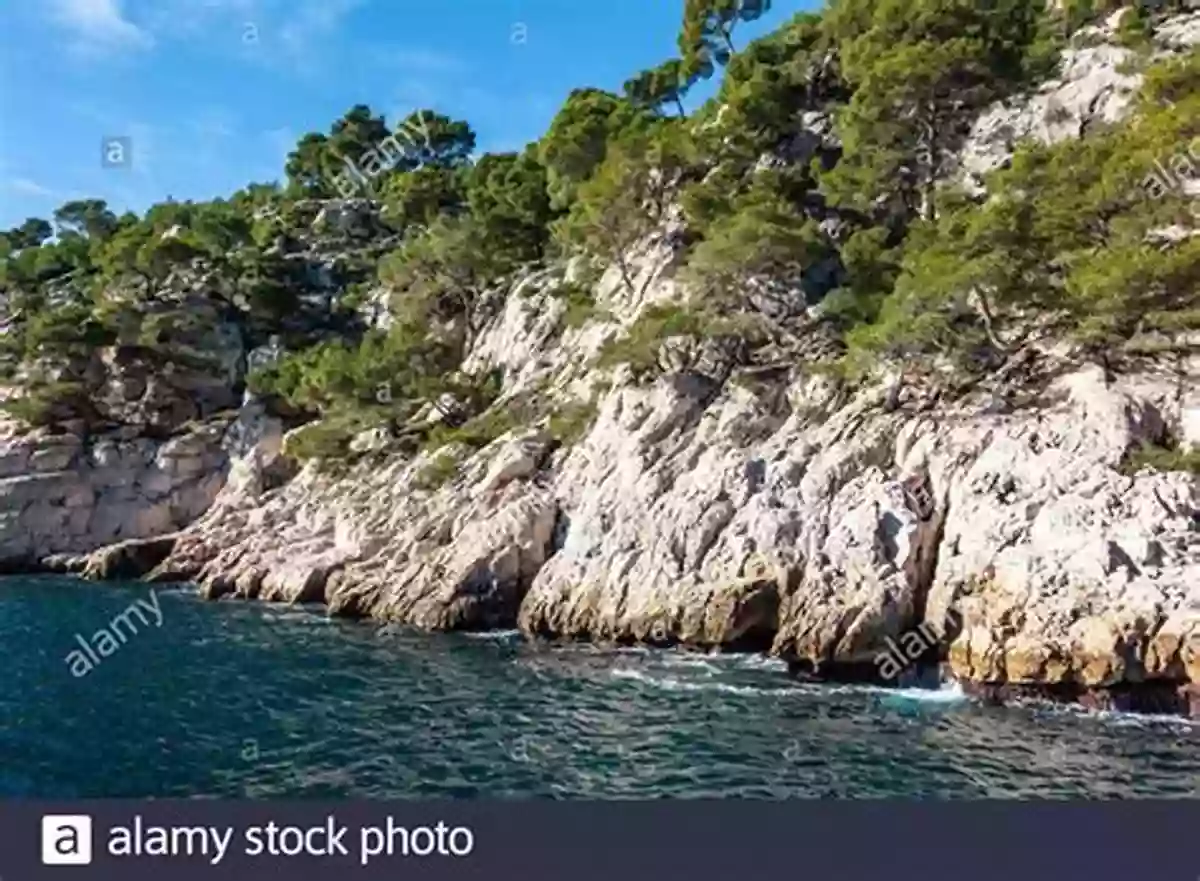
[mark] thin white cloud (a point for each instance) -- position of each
(227, 21)
(213, 123)
(99, 25)
(310, 20)
(27, 187)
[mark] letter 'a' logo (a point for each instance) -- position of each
(66, 840)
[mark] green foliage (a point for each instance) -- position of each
(628, 195)
(921, 70)
(766, 82)
(510, 202)
(311, 166)
(438, 278)
(1136, 28)
(870, 263)
(328, 439)
(417, 198)
(436, 140)
(1066, 243)
(159, 255)
(570, 422)
(577, 141)
(1162, 458)
(29, 234)
(269, 291)
(45, 403)
(70, 327)
(318, 159)
(392, 368)
(641, 347)
(707, 32)
(360, 144)
(668, 82)
(86, 217)
(478, 431)
(356, 134)
(580, 304)
(1170, 83)
(439, 471)
(764, 235)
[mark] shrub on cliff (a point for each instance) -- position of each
(578, 139)
(670, 338)
(438, 279)
(765, 235)
(628, 195)
(1068, 242)
(386, 368)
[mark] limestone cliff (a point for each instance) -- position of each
(764, 505)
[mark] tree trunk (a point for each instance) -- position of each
(985, 312)
(725, 34)
(679, 104)
(625, 277)
(929, 198)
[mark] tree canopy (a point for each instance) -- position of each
(824, 171)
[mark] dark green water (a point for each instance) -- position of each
(235, 699)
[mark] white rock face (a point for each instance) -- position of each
(62, 496)
(816, 525)
(382, 542)
(1095, 86)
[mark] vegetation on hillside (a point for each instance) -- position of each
(822, 167)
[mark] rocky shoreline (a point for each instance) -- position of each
(766, 506)
(1036, 563)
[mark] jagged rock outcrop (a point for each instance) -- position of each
(127, 559)
(376, 543)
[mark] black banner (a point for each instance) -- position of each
(599, 841)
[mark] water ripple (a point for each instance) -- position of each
(234, 699)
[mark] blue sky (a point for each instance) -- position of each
(213, 93)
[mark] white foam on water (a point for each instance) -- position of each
(698, 663)
(668, 683)
(492, 635)
(1118, 718)
(946, 693)
(736, 660)
(757, 662)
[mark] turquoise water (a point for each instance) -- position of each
(245, 700)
